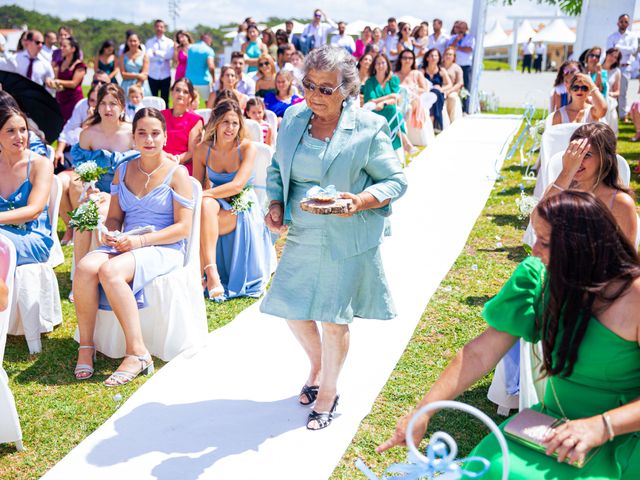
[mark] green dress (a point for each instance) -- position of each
(606, 375)
(372, 90)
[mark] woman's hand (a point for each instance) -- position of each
(574, 439)
(274, 218)
(126, 243)
(356, 205)
(400, 435)
(574, 155)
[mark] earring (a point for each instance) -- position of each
(344, 103)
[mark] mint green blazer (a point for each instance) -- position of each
(359, 158)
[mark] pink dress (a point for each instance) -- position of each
(68, 97)
(181, 69)
(178, 130)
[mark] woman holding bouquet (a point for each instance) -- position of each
(106, 140)
(151, 191)
(236, 253)
(24, 190)
(331, 270)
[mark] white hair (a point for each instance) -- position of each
(335, 59)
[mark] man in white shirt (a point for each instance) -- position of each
(391, 39)
(541, 49)
(438, 39)
(625, 41)
(464, 45)
(283, 62)
(315, 33)
(49, 46)
(246, 84)
(160, 52)
(30, 63)
(528, 49)
(342, 39)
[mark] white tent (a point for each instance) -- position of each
(411, 20)
(557, 32)
(355, 28)
(496, 37)
(297, 27)
(525, 32)
(232, 33)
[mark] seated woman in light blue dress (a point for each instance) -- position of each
(106, 140)
(24, 190)
(151, 191)
(134, 66)
(236, 252)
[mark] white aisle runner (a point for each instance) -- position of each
(229, 411)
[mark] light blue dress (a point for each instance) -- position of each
(156, 209)
(104, 159)
(32, 239)
(326, 289)
(134, 66)
(253, 51)
(245, 256)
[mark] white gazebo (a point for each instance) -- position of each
(355, 28)
(557, 32)
(297, 27)
(496, 37)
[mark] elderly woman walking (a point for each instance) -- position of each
(330, 270)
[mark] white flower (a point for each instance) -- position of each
(526, 205)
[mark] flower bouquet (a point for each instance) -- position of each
(89, 172)
(241, 202)
(526, 205)
(85, 217)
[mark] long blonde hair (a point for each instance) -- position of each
(217, 114)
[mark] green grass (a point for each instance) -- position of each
(500, 65)
(58, 412)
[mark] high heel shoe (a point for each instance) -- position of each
(217, 294)
(83, 371)
(323, 419)
(122, 377)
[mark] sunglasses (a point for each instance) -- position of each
(264, 64)
(311, 87)
(317, 15)
(98, 82)
(593, 55)
(576, 88)
(570, 71)
(406, 58)
(38, 42)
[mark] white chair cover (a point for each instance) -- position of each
(154, 102)
(457, 108)
(51, 153)
(254, 132)
(419, 136)
(262, 162)
(611, 118)
(10, 430)
(36, 308)
(205, 113)
(272, 120)
(498, 393)
(175, 319)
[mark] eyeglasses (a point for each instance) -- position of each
(264, 64)
(37, 42)
(570, 71)
(576, 88)
(311, 87)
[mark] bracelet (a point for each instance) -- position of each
(554, 185)
(607, 424)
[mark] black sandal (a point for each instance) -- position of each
(324, 419)
(311, 392)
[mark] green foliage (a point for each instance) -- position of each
(570, 7)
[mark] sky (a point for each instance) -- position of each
(220, 12)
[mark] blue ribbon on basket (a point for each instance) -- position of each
(527, 116)
(440, 464)
(328, 192)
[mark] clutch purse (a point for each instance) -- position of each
(530, 427)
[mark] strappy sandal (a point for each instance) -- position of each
(309, 391)
(323, 419)
(122, 377)
(217, 294)
(84, 371)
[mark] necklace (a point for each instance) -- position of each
(326, 139)
(148, 175)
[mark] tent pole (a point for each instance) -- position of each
(513, 55)
(478, 24)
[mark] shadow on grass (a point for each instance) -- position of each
(509, 192)
(515, 254)
(476, 301)
(502, 219)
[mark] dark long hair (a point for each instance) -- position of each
(560, 77)
(6, 112)
(112, 89)
(107, 44)
(148, 112)
(591, 262)
(603, 142)
(398, 65)
(76, 52)
(425, 63)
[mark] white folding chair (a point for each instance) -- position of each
(10, 430)
(417, 136)
(175, 318)
(154, 102)
(205, 113)
(254, 131)
(272, 120)
(262, 162)
(36, 307)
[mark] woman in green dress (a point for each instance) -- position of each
(579, 295)
(331, 270)
(382, 91)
